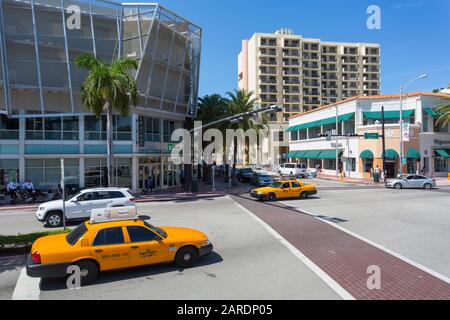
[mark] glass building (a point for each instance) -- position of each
(42, 117)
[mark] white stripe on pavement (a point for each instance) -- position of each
(27, 288)
(395, 254)
(344, 294)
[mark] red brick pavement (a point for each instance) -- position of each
(346, 258)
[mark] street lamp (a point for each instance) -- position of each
(337, 134)
(403, 88)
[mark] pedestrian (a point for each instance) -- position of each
(383, 176)
(150, 181)
(377, 170)
(28, 185)
(423, 169)
(12, 187)
(182, 178)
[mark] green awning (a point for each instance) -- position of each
(392, 154)
(366, 154)
(312, 154)
(444, 153)
(431, 112)
(413, 153)
(291, 154)
(323, 122)
(327, 154)
(376, 115)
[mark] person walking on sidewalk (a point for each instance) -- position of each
(149, 186)
(182, 178)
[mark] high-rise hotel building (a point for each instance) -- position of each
(297, 73)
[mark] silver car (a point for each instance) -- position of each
(410, 181)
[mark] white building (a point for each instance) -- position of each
(427, 148)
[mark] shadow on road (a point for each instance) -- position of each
(132, 273)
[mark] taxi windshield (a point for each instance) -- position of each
(276, 185)
(159, 231)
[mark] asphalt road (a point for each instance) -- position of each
(246, 263)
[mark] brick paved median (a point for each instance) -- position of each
(346, 258)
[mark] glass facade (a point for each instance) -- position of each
(46, 173)
(40, 45)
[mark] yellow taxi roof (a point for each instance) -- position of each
(112, 224)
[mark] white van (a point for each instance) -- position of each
(294, 169)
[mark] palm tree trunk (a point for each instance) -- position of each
(109, 136)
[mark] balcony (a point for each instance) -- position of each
(291, 82)
(291, 72)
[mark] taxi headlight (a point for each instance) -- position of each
(205, 243)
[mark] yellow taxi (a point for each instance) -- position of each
(284, 189)
(115, 244)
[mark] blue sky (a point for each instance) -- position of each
(414, 35)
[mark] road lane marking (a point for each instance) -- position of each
(27, 288)
(344, 294)
(393, 253)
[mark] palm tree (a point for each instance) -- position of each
(108, 87)
(211, 108)
(444, 114)
(241, 101)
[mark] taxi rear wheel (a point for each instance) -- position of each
(186, 257)
(88, 271)
(303, 195)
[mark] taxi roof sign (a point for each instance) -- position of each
(113, 214)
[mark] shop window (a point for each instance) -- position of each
(96, 172)
(368, 164)
(350, 164)
(95, 128)
(329, 164)
(168, 128)
(440, 164)
(9, 171)
(52, 128)
(46, 173)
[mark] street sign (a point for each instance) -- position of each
(371, 135)
(141, 132)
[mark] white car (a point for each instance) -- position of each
(79, 206)
(294, 169)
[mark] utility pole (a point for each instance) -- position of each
(383, 141)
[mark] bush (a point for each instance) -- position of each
(25, 240)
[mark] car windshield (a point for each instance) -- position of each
(276, 185)
(76, 234)
(159, 231)
(76, 196)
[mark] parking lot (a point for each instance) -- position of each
(249, 262)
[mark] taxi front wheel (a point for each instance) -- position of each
(186, 257)
(88, 270)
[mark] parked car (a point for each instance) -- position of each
(244, 174)
(410, 181)
(294, 169)
(109, 244)
(79, 206)
(283, 190)
(260, 179)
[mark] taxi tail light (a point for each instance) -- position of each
(36, 257)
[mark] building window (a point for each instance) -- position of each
(314, 132)
(95, 129)
(52, 128)
(46, 173)
(440, 164)
(9, 128)
(9, 171)
(302, 134)
(349, 126)
(152, 130)
(425, 127)
(294, 135)
(168, 128)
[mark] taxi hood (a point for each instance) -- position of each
(183, 234)
(265, 189)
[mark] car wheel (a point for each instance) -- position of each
(427, 186)
(271, 197)
(88, 271)
(303, 195)
(398, 186)
(54, 219)
(186, 257)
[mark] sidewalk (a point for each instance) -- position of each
(171, 194)
(440, 182)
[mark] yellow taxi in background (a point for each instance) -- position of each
(110, 245)
(284, 189)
